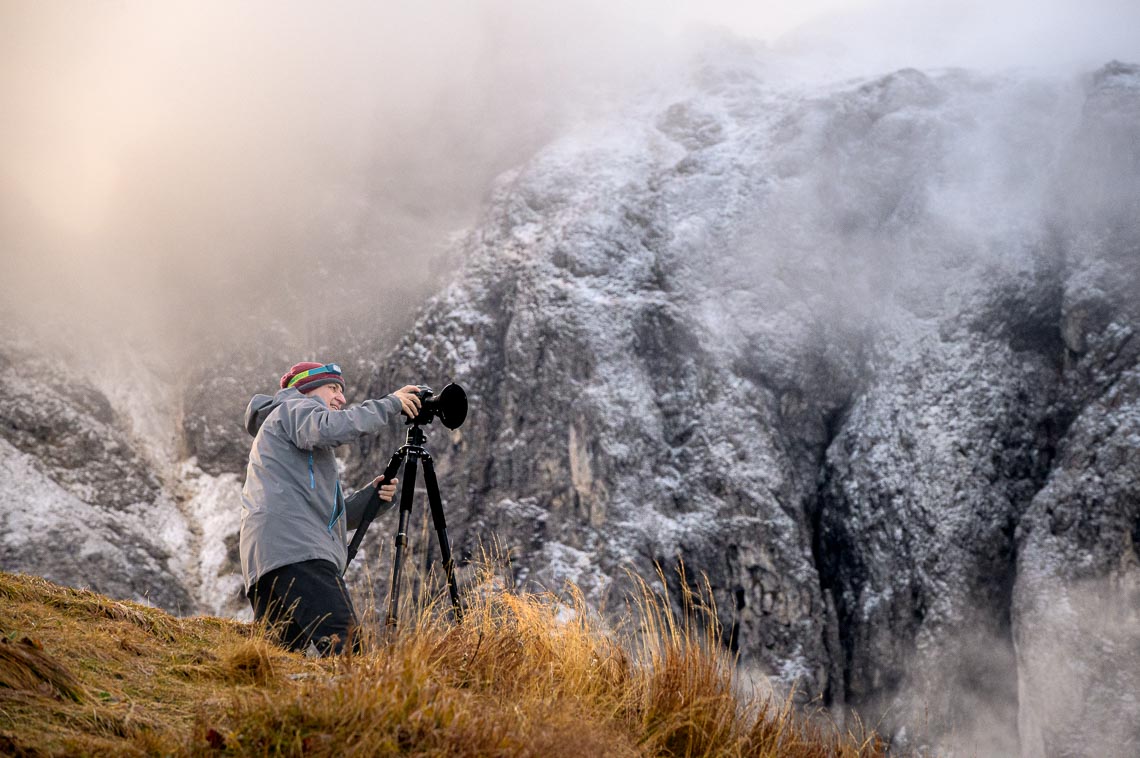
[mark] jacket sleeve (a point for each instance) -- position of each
(355, 504)
(310, 424)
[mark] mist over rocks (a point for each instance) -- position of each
(834, 349)
(1076, 599)
(218, 390)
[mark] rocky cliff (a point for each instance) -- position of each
(83, 503)
(862, 355)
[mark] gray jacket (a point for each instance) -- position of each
(293, 508)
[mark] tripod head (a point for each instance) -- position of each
(414, 446)
(416, 437)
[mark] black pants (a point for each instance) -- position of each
(307, 602)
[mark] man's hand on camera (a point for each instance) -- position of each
(387, 491)
(409, 400)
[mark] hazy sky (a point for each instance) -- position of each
(1012, 30)
(175, 163)
(762, 19)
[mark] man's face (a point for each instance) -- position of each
(332, 394)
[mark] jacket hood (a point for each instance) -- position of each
(261, 406)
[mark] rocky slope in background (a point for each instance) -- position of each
(862, 355)
(82, 504)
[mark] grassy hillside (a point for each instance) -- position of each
(81, 674)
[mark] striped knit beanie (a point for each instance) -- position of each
(308, 376)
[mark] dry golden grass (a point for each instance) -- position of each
(523, 675)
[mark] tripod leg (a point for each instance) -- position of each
(441, 532)
(373, 507)
(407, 492)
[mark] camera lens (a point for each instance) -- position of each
(450, 406)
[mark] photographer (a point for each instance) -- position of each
(295, 518)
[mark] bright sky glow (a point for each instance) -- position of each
(764, 19)
(199, 142)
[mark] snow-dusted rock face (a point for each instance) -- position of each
(862, 356)
(82, 505)
(97, 487)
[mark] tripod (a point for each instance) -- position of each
(408, 456)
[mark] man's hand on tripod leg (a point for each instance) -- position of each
(386, 491)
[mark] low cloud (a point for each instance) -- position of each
(185, 164)
(169, 169)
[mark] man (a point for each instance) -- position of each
(295, 518)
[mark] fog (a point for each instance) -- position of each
(1056, 36)
(170, 171)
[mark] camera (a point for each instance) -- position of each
(450, 406)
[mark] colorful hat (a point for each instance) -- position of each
(308, 376)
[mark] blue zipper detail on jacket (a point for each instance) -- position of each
(312, 479)
(336, 507)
